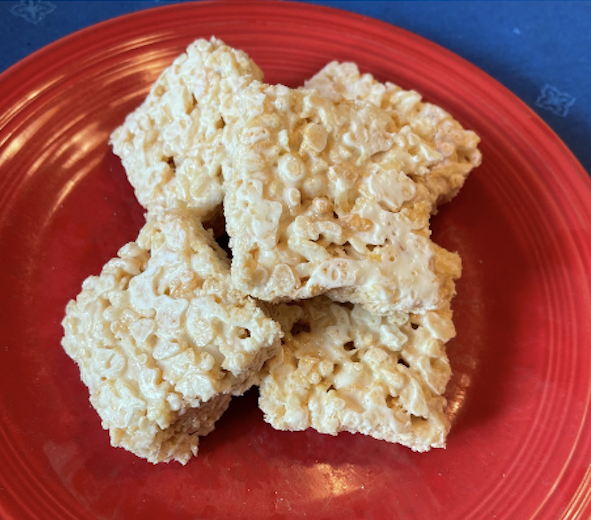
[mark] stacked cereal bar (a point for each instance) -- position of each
(336, 300)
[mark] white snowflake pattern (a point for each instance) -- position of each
(32, 11)
(557, 102)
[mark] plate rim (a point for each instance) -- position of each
(42, 53)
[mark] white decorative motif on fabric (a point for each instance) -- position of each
(33, 11)
(557, 102)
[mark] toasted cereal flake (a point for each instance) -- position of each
(171, 146)
(319, 198)
(345, 369)
(458, 147)
(163, 341)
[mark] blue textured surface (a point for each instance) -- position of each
(539, 50)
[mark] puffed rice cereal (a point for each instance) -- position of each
(457, 146)
(320, 199)
(163, 340)
(326, 192)
(343, 369)
(171, 146)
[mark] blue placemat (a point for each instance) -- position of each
(539, 50)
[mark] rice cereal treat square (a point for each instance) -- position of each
(457, 146)
(163, 341)
(171, 146)
(344, 369)
(320, 199)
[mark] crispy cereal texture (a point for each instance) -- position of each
(171, 146)
(349, 370)
(458, 147)
(319, 198)
(163, 341)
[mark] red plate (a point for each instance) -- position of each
(520, 446)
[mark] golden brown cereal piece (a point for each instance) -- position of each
(319, 198)
(458, 147)
(171, 146)
(343, 369)
(163, 341)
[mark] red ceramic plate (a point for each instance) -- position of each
(520, 447)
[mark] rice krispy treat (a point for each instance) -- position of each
(344, 369)
(171, 146)
(458, 147)
(163, 341)
(319, 199)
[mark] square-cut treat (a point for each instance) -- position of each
(163, 341)
(457, 146)
(320, 199)
(344, 369)
(171, 146)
